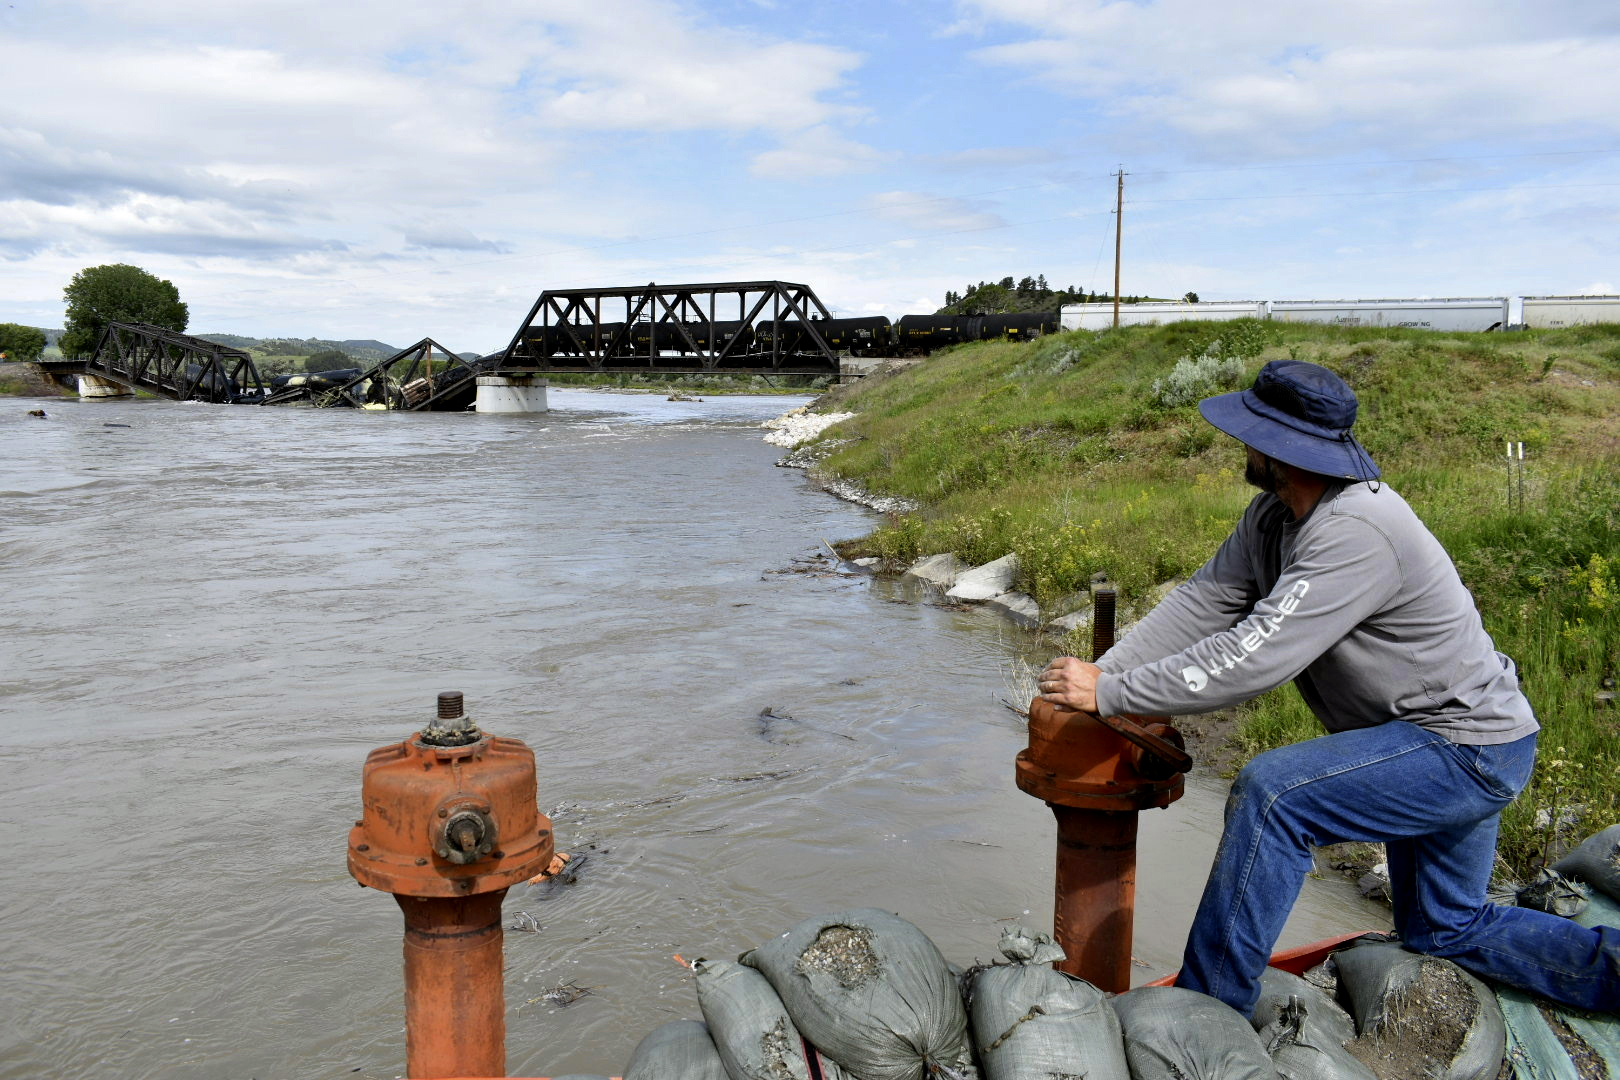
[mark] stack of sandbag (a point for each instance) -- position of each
(1176, 1034)
(871, 992)
(1032, 1022)
(1305, 1031)
(751, 1030)
(1419, 1015)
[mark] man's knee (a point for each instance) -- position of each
(1257, 785)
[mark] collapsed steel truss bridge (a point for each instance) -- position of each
(166, 363)
(407, 381)
(676, 329)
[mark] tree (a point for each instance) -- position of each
(327, 360)
(19, 342)
(1190, 298)
(117, 292)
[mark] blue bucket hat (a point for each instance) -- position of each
(1297, 413)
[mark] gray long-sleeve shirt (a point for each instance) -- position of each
(1357, 603)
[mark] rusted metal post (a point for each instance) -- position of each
(450, 824)
(1095, 895)
(1097, 773)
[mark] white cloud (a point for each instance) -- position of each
(644, 66)
(816, 152)
(1244, 76)
(284, 145)
(151, 223)
(935, 213)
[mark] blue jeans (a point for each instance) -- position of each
(1434, 804)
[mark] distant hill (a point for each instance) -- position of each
(358, 348)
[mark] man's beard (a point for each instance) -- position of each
(1266, 477)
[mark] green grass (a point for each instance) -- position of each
(1059, 451)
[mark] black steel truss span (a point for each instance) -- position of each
(173, 365)
(408, 380)
(676, 329)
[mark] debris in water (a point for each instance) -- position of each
(562, 995)
(525, 922)
(564, 868)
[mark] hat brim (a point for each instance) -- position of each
(1238, 415)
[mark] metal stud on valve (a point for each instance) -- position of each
(451, 823)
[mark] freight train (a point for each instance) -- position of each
(869, 336)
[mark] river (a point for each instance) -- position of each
(212, 613)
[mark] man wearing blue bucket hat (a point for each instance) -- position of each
(1330, 581)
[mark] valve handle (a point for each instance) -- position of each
(1168, 752)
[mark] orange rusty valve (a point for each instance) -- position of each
(450, 823)
(1096, 773)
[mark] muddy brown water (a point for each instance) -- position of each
(211, 615)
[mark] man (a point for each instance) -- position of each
(1330, 580)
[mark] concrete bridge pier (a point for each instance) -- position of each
(94, 386)
(512, 393)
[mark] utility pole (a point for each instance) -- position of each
(1119, 224)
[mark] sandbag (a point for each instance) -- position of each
(1596, 861)
(680, 1050)
(751, 1030)
(1177, 1034)
(1304, 1030)
(1032, 1022)
(873, 993)
(1419, 1015)
(1278, 986)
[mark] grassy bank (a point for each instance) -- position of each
(1084, 452)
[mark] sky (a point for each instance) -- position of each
(395, 169)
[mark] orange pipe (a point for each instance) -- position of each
(1095, 894)
(455, 1001)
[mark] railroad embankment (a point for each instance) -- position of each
(26, 380)
(1084, 452)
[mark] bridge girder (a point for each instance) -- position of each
(404, 381)
(171, 364)
(674, 329)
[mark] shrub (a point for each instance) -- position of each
(1194, 378)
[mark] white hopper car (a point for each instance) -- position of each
(1463, 313)
(1552, 312)
(1101, 316)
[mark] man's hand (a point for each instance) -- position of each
(1071, 682)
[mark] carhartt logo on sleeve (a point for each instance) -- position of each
(1198, 675)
